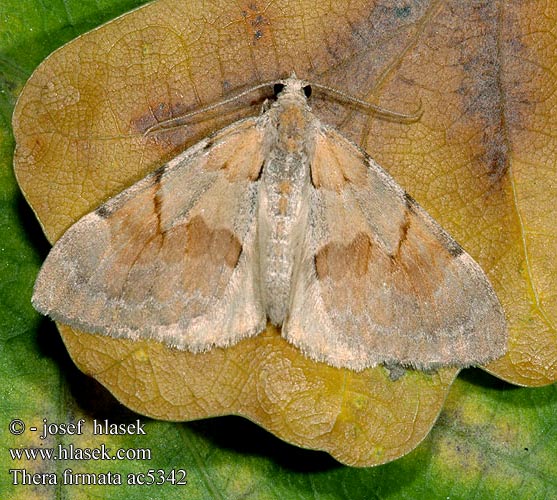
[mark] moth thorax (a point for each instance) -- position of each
(293, 125)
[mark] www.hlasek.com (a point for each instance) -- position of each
(67, 452)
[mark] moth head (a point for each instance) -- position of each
(292, 86)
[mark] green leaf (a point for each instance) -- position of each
(492, 441)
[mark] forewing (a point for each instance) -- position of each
(380, 281)
(170, 258)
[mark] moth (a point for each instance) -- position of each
(276, 218)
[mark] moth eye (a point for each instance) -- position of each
(307, 90)
(278, 88)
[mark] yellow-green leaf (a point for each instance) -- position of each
(79, 128)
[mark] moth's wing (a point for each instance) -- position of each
(379, 280)
(171, 258)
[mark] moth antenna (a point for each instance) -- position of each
(180, 120)
(387, 113)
